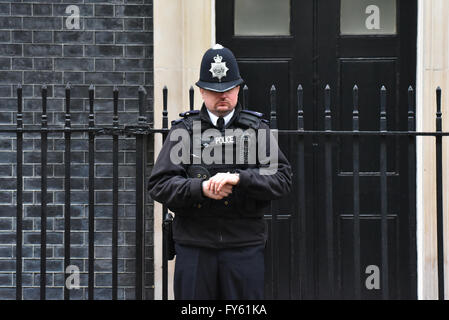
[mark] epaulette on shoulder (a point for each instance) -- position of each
(250, 119)
(254, 113)
(185, 115)
(189, 113)
(187, 118)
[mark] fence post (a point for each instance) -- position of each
(274, 239)
(165, 214)
(356, 186)
(67, 162)
(115, 150)
(140, 198)
(301, 197)
(91, 236)
(439, 198)
(412, 188)
(19, 205)
(44, 147)
(328, 191)
(383, 193)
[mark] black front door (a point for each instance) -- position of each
(339, 43)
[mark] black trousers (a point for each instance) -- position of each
(225, 274)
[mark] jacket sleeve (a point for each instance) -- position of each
(273, 178)
(169, 183)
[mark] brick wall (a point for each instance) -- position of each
(113, 46)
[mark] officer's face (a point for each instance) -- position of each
(220, 103)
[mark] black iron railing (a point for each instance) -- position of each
(140, 132)
(329, 135)
(143, 131)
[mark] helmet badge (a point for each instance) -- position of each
(218, 68)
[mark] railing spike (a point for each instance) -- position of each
(67, 100)
(355, 97)
(91, 100)
(165, 98)
(273, 116)
(411, 109)
(165, 107)
(327, 109)
(245, 97)
(439, 102)
(191, 97)
(115, 93)
(44, 99)
(355, 110)
(142, 99)
(383, 109)
(411, 99)
(300, 106)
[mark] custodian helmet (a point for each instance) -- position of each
(219, 70)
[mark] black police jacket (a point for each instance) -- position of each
(236, 220)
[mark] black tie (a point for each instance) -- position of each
(220, 123)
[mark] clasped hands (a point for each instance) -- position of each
(220, 185)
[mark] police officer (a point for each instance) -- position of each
(219, 230)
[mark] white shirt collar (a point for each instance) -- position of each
(226, 118)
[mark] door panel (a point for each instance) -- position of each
(370, 238)
(259, 93)
(355, 71)
(314, 53)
